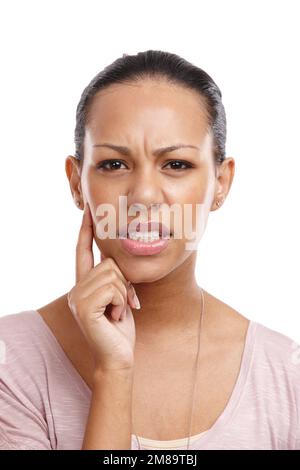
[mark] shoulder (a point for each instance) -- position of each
(24, 346)
(23, 382)
(18, 321)
(17, 329)
(275, 344)
(276, 362)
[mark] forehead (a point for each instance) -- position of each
(149, 106)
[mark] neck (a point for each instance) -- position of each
(170, 307)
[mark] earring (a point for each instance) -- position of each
(219, 203)
(78, 203)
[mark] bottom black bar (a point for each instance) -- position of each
(134, 459)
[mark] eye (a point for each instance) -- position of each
(110, 162)
(115, 165)
(178, 163)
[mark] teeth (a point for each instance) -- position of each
(145, 237)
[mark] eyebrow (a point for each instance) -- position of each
(160, 151)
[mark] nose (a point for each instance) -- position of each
(146, 189)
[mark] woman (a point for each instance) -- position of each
(92, 370)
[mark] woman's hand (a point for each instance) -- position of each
(98, 302)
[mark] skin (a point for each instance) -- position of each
(166, 326)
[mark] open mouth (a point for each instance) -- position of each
(146, 232)
(141, 243)
(147, 237)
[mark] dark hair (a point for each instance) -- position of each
(155, 63)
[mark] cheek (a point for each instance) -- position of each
(194, 197)
(190, 222)
(195, 188)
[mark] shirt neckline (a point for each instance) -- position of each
(222, 419)
(170, 443)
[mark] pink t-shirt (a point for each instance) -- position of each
(44, 402)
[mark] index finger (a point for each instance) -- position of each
(84, 247)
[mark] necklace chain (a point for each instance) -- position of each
(196, 370)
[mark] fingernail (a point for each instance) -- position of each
(135, 297)
(136, 301)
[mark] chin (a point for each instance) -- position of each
(140, 269)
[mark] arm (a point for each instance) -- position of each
(110, 334)
(23, 425)
(109, 421)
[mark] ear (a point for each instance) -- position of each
(73, 172)
(224, 177)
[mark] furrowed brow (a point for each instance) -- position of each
(160, 151)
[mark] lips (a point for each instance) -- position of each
(146, 227)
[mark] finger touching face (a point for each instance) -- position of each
(84, 247)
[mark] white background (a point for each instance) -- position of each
(249, 255)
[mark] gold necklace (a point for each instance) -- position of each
(196, 370)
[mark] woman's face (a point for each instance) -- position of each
(144, 117)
